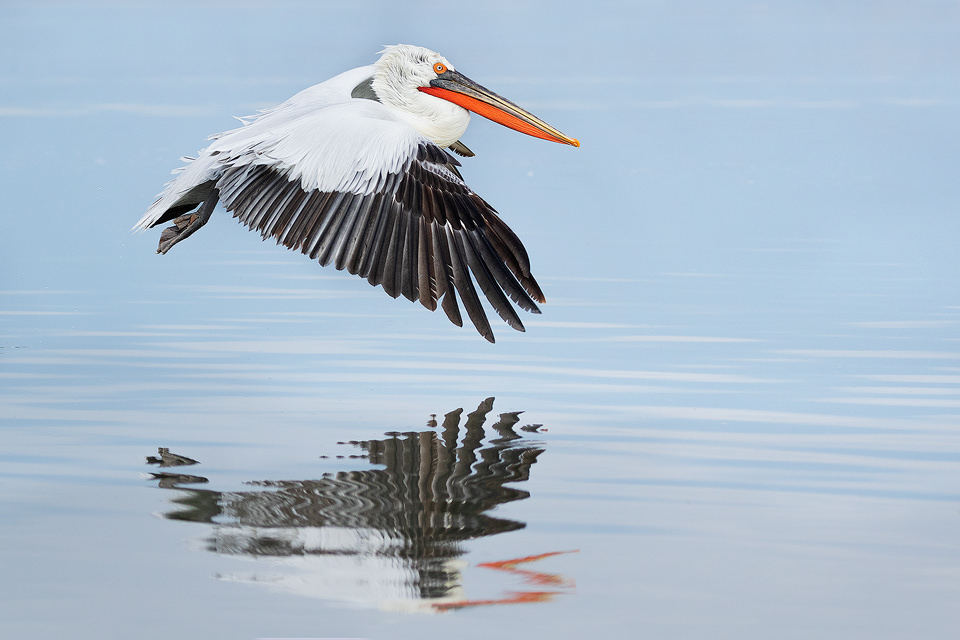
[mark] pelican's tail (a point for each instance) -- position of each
(193, 185)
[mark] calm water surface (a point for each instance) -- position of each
(737, 417)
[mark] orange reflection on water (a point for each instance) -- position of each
(518, 597)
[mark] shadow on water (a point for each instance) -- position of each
(389, 537)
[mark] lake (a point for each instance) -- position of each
(738, 415)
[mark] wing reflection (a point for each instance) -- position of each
(390, 536)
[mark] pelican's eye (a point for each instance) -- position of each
(440, 68)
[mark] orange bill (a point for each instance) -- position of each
(454, 87)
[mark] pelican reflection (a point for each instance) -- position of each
(391, 536)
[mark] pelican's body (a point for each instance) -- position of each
(354, 171)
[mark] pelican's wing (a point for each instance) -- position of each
(353, 186)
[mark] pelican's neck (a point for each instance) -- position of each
(436, 119)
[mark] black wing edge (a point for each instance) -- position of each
(420, 234)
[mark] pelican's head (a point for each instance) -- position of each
(437, 99)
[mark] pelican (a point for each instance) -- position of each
(355, 172)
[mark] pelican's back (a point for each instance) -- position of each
(195, 182)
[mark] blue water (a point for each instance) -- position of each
(741, 401)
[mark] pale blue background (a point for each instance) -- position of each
(748, 362)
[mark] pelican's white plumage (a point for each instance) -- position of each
(353, 171)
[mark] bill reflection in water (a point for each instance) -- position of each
(390, 537)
